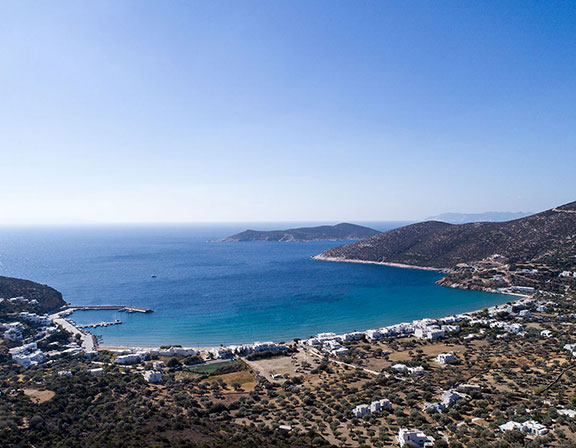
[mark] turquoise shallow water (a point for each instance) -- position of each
(208, 293)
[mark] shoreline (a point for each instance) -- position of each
(319, 258)
(380, 263)
(114, 348)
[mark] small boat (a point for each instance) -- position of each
(154, 276)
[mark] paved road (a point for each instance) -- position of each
(563, 211)
(86, 338)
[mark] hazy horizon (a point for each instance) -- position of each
(135, 112)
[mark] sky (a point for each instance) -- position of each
(241, 110)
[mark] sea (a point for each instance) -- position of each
(206, 293)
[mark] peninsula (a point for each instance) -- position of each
(343, 231)
(535, 252)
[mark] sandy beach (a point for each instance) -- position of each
(381, 263)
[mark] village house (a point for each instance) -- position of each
(365, 409)
(152, 376)
(27, 355)
(528, 427)
(446, 358)
(414, 438)
(35, 318)
(131, 358)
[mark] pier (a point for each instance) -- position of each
(128, 309)
(100, 324)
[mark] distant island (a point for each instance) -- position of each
(463, 218)
(343, 231)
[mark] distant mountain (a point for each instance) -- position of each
(48, 298)
(441, 245)
(342, 231)
(463, 218)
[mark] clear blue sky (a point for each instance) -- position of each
(266, 110)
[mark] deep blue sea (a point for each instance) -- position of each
(208, 293)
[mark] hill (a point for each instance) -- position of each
(463, 218)
(437, 244)
(342, 231)
(48, 298)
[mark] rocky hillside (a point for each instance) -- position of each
(342, 231)
(441, 245)
(48, 298)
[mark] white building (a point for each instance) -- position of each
(524, 313)
(534, 428)
(571, 413)
(528, 427)
(414, 438)
(400, 367)
(510, 426)
(571, 348)
(152, 376)
(430, 332)
(35, 318)
(64, 373)
(158, 365)
(177, 351)
(419, 370)
(451, 397)
(378, 405)
(27, 355)
(469, 387)
(446, 358)
(12, 335)
(361, 410)
(99, 371)
(546, 333)
(131, 358)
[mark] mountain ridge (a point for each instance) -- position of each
(464, 218)
(435, 244)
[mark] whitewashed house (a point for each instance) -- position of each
(414, 438)
(446, 358)
(152, 376)
(361, 410)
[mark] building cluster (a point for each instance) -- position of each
(246, 349)
(414, 438)
(132, 358)
(376, 406)
(13, 331)
(27, 355)
(567, 274)
(36, 319)
(432, 329)
(449, 398)
(20, 299)
(529, 427)
(403, 368)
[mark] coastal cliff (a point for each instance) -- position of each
(343, 231)
(435, 244)
(48, 298)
